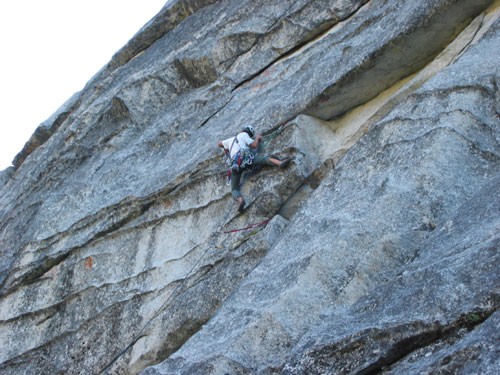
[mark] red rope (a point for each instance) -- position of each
(251, 226)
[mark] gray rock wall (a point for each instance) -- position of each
(376, 250)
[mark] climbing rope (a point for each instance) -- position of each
(251, 226)
(268, 138)
(162, 307)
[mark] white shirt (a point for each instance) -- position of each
(243, 140)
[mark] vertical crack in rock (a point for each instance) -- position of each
(213, 115)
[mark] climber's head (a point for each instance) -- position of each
(249, 130)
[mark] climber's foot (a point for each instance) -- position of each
(284, 163)
(241, 206)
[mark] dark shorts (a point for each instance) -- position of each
(236, 176)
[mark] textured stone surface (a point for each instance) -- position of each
(46, 129)
(119, 253)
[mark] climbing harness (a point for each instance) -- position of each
(241, 160)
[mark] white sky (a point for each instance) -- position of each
(49, 50)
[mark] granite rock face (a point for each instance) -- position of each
(374, 251)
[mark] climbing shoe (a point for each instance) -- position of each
(241, 207)
(285, 162)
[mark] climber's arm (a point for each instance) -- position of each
(255, 143)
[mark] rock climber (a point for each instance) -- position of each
(242, 151)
